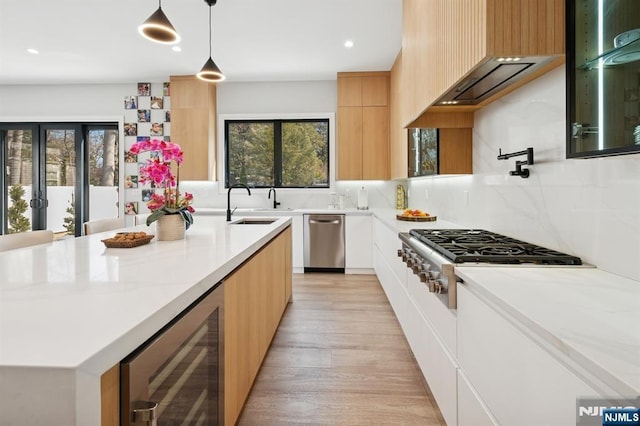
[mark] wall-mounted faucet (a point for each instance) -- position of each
(235, 185)
(519, 171)
(275, 203)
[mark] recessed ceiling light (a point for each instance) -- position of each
(348, 44)
(176, 49)
(33, 51)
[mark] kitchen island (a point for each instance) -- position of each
(72, 309)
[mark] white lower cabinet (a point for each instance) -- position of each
(471, 409)
(436, 361)
(516, 379)
(358, 244)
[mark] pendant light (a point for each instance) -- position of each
(158, 28)
(210, 71)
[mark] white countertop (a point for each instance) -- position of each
(589, 315)
(76, 306)
(216, 211)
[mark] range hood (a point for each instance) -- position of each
(491, 77)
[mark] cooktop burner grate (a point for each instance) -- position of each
(475, 245)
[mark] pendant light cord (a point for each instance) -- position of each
(209, 29)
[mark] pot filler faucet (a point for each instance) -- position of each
(235, 185)
(275, 203)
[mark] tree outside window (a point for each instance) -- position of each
(277, 153)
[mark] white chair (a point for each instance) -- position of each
(101, 225)
(24, 239)
(140, 219)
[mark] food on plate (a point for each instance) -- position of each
(126, 236)
(414, 213)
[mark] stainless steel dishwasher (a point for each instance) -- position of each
(323, 243)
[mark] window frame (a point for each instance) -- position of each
(222, 151)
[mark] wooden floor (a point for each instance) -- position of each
(339, 358)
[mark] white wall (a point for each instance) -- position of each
(587, 207)
(66, 101)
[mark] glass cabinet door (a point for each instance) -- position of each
(603, 77)
(423, 152)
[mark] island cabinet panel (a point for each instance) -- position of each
(288, 264)
(444, 40)
(255, 300)
(193, 125)
(110, 397)
(363, 126)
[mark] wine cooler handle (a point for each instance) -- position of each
(144, 413)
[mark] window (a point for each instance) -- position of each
(277, 153)
(57, 175)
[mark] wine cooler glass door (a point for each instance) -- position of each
(177, 376)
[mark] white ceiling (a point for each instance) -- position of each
(89, 41)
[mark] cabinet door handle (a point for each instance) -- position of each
(144, 413)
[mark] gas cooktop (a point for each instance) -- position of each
(477, 245)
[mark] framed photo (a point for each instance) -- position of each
(131, 181)
(147, 194)
(167, 116)
(142, 138)
(144, 116)
(166, 89)
(130, 129)
(130, 157)
(156, 102)
(156, 129)
(144, 89)
(131, 207)
(130, 102)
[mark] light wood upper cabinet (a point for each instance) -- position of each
(193, 125)
(398, 157)
(444, 40)
(363, 126)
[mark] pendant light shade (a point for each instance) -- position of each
(158, 28)
(210, 71)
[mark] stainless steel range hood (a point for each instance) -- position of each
(491, 77)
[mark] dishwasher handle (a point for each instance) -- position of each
(329, 221)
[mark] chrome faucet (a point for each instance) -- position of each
(235, 185)
(275, 203)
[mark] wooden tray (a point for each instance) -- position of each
(417, 218)
(113, 243)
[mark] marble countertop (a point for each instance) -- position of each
(73, 308)
(215, 211)
(589, 315)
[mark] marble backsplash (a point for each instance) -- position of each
(207, 194)
(586, 207)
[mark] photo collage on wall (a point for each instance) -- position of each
(146, 116)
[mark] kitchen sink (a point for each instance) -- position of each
(254, 221)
